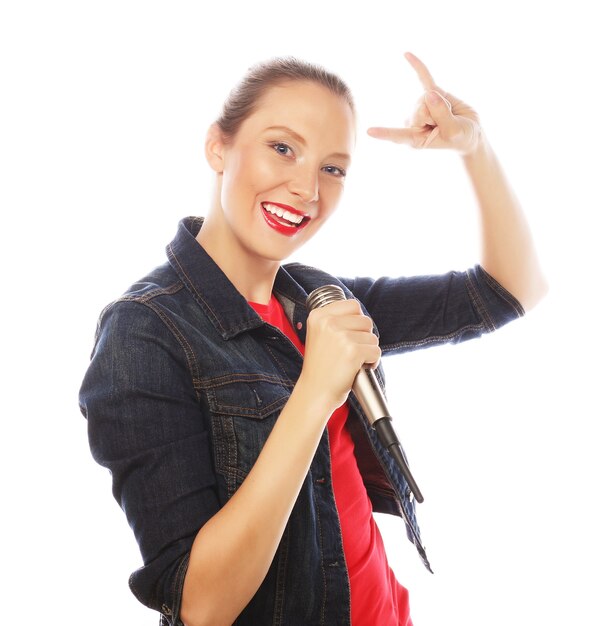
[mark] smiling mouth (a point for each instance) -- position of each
(285, 220)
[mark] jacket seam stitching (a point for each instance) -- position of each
(178, 583)
(280, 580)
(216, 407)
(322, 552)
(188, 352)
(194, 288)
(155, 292)
(223, 381)
(504, 293)
(434, 338)
(478, 302)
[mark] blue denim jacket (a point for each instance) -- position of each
(185, 384)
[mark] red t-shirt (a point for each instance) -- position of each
(376, 598)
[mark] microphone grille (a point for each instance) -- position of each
(324, 295)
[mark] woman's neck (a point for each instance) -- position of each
(252, 277)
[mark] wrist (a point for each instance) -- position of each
(316, 401)
(480, 148)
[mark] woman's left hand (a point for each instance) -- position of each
(440, 120)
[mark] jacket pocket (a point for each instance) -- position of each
(251, 397)
(243, 411)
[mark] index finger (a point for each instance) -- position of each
(422, 71)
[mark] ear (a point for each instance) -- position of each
(214, 147)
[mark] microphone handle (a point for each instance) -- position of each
(370, 396)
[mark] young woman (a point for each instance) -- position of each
(223, 410)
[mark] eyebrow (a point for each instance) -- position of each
(301, 139)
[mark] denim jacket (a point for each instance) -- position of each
(185, 384)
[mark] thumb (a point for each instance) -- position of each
(440, 110)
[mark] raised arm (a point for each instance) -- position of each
(508, 251)
(440, 120)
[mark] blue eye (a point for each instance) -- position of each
(336, 171)
(282, 148)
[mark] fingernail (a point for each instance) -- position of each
(433, 97)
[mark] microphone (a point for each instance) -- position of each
(368, 393)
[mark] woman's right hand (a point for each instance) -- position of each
(339, 342)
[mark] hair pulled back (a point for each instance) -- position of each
(243, 98)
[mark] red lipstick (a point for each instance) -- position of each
(282, 226)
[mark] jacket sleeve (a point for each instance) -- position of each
(421, 311)
(145, 425)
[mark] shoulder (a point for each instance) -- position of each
(147, 310)
(159, 288)
(300, 269)
(161, 280)
(310, 277)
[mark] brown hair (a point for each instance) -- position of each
(244, 97)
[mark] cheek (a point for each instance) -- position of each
(248, 177)
(332, 194)
(262, 174)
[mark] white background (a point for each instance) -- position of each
(104, 109)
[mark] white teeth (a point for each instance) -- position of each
(283, 213)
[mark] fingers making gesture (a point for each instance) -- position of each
(439, 120)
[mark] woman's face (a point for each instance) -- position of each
(283, 173)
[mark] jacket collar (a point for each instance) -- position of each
(226, 308)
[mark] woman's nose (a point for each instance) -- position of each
(305, 183)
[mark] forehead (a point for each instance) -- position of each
(309, 109)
